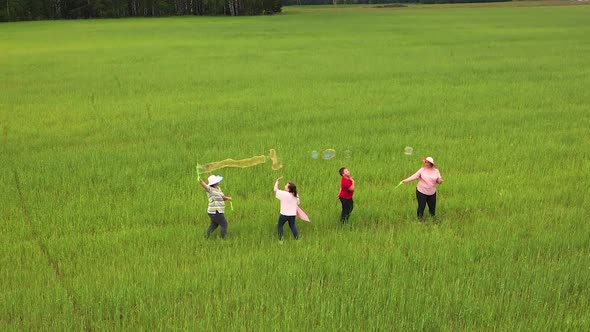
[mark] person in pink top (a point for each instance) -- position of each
(428, 178)
(289, 203)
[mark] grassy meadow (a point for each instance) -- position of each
(102, 123)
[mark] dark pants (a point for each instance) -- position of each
(217, 219)
(347, 206)
(422, 201)
(282, 220)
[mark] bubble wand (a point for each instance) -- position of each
(399, 184)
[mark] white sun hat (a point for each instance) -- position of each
(429, 159)
(214, 179)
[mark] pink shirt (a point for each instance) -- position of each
(427, 178)
(289, 202)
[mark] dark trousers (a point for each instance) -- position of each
(217, 219)
(282, 220)
(347, 206)
(422, 201)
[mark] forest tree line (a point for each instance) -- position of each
(26, 10)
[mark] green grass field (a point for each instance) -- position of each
(102, 123)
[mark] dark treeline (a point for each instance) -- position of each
(23, 10)
(363, 2)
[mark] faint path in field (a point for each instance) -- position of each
(410, 6)
(52, 262)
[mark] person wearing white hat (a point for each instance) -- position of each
(428, 178)
(216, 207)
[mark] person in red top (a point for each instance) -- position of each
(345, 194)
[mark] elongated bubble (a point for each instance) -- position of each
(408, 150)
(315, 154)
(210, 167)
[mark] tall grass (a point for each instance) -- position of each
(102, 123)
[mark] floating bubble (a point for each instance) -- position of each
(347, 154)
(328, 154)
(276, 164)
(408, 150)
(315, 154)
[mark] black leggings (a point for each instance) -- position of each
(347, 206)
(422, 201)
(217, 219)
(282, 220)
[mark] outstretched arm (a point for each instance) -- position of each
(412, 177)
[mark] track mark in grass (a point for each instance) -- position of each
(390, 5)
(52, 262)
(5, 127)
(148, 110)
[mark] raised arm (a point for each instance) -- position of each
(204, 185)
(276, 187)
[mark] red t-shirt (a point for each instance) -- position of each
(345, 184)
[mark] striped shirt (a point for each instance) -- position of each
(216, 202)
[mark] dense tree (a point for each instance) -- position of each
(19, 10)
